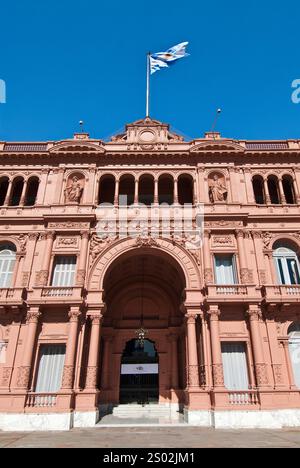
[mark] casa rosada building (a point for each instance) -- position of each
(94, 318)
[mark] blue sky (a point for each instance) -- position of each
(70, 60)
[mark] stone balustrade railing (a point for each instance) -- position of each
(41, 400)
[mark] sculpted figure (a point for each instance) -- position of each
(74, 191)
(217, 191)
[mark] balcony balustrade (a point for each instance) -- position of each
(55, 295)
(231, 292)
(281, 293)
(12, 296)
(41, 400)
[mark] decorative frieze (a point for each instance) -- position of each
(223, 241)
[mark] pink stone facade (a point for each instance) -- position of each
(49, 193)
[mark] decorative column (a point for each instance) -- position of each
(195, 192)
(266, 189)
(136, 191)
(281, 191)
(106, 357)
(242, 256)
(258, 247)
(271, 329)
(116, 196)
(68, 374)
(193, 366)
(176, 191)
(44, 273)
(254, 314)
(23, 194)
(156, 191)
(81, 269)
(92, 369)
(216, 352)
(174, 362)
(32, 318)
(8, 193)
(208, 273)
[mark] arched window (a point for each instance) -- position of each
(7, 264)
(32, 190)
(126, 189)
(258, 189)
(185, 190)
(273, 190)
(287, 264)
(288, 188)
(166, 189)
(3, 190)
(146, 189)
(16, 191)
(107, 189)
(294, 349)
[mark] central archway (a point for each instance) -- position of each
(143, 288)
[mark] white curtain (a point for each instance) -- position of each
(294, 349)
(225, 269)
(64, 271)
(51, 364)
(287, 265)
(235, 366)
(7, 265)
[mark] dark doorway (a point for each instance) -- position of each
(139, 379)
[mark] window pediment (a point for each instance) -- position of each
(75, 146)
(217, 146)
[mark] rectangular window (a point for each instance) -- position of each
(64, 271)
(225, 270)
(235, 366)
(50, 368)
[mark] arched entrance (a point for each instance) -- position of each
(139, 372)
(143, 288)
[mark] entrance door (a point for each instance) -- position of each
(139, 379)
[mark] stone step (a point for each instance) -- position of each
(138, 411)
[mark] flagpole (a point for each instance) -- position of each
(148, 85)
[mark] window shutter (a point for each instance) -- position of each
(235, 366)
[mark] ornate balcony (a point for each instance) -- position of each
(12, 296)
(239, 293)
(281, 293)
(56, 295)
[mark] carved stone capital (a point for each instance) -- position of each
(96, 319)
(74, 314)
(240, 233)
(254, 313)
(32, 316)
(214, 313)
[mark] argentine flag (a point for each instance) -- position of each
(165, 59)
